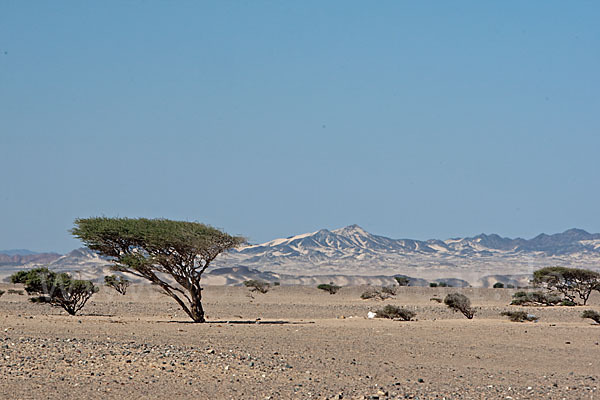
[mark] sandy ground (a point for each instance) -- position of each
(141, 346)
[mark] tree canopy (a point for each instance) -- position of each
(570, 282)
(170, 254)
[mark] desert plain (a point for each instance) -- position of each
(295, 342)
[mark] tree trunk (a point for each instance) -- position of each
(196, 310)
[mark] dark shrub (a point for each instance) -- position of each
(393, 312)
(519, 316)
(1, 293)
(276, 283)
(257, 286)
(591, 314)
(15, 291)
(374, 293)
(390, 290)
(59, 290)
(436, 299)
(509, 286)
(460, 302)
(535, 299)
(329, 288)
(433, 284)
(498, 285)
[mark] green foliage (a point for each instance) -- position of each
(374, 293)
(519, 316)
(443, 284)
(433, 284)
(591, 314)
(535, 299)
(498, 285)
(153, 248)
(570, 282)
(394, 312)
(276, 283)
(329, 287)
(15, 291)
(57, 289)
(402, 280)
(389, 290)
(460, 302)
(119, 283)
(257, 286)
(2, 292)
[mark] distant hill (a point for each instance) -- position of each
(351, 255)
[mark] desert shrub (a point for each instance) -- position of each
(519, 316)
(571, 282)
(58, 290)
(257, 286)
(436, 299)
(391, 290)
(118, 283)
(567, 303)
(329, 288)
(374, 293)
(498, 285)
(535, 299)
(402, 280)
(15, 291)
(394, 312)
(460, 302)
(433, 284)
(2, 292)
(591, 314)
(443, 284)
(509, 286)
(276, 283)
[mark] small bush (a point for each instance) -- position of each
(391, 290)
(57, 289)
(329, 288)
(535, 298)
(509, 286)
(374, 293)
(15, 291)
(433, 284)
(436, 299)
(118, 283)
(519, 316)
(257, 286)
(498, 285)
(393, 312)
(591, 314)
(460, 302)
(276, 283)
(443, 284)
(1, 292)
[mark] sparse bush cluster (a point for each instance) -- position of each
(460, 303)
(535, 299)
(329, 288)
(570, 282)
(56, 289)
(395, 312)
(519, 316)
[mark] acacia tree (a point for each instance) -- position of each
(118, 283)
(570, 282)
(170, 254)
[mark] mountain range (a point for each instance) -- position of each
(351, 255)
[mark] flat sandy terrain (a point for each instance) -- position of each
(141, 346)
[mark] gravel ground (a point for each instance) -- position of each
(306, 344)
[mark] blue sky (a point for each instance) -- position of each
(268, 119)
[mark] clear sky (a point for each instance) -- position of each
(272, 118)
